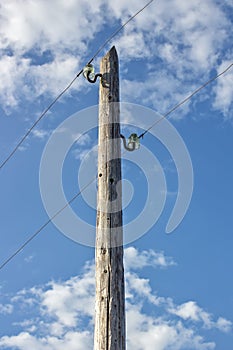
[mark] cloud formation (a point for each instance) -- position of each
(191, 311)
(63, 313)
(174, 45)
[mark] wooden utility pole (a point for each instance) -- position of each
(110, 292)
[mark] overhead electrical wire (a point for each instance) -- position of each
(86, 186)
(173, 109)
(119, 29)
(69, 85)
(43, 226)
(37, 121)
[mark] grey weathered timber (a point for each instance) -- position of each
(110, 293)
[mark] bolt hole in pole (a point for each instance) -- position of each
(111, 180)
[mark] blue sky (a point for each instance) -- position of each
(179, 289)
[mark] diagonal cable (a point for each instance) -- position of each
(187, 99)
(44, 225)
(69, 85)
(119, 29)
(87, 185)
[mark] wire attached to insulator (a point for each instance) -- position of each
(89, 73)
(133, 142)
(95, 78)
(178, 105)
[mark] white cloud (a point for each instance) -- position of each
(181, 47)
(29, 258)
(132, 46)
(224, 91)
(181, 26)
(86, 152)
(26, 341)
(162, 90)
(135, 260)
(80, 155)
(33, 29)
(12, 72)
(40, 133)
(86, 155)
(24, 80)
(191, 311)
(175, 49)
(82, 140)
(121, 8)
(145, 332)
(43, 26)
(6, 309)
(224, 325)
(63, 314)
(52, 77)
(67, 300)
(29, 326)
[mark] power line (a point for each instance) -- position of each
(119, 29)
(43, 226)
(186, 99)
(86, 186)
(37, 121)
(59, 96)
(69, 85)
(35, 234)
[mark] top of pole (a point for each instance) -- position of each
(109, 84)
(112, 52)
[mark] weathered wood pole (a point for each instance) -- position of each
(110, 292)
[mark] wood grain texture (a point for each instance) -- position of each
(110, 292)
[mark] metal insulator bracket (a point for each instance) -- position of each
(133, 142)
(89, 73)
